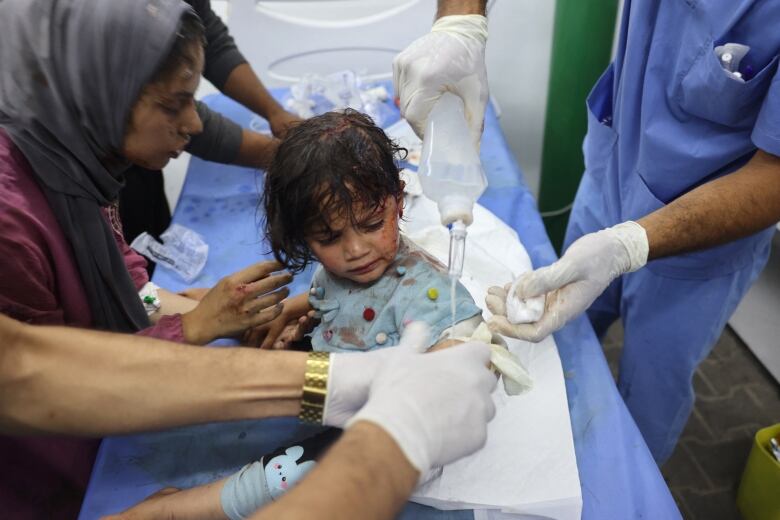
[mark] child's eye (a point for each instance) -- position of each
(374, 226)
(326, 239)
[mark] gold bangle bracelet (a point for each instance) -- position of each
(315, 387)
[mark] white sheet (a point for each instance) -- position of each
(528, 465)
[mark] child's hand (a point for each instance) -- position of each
(280, 333)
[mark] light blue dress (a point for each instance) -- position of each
(664, 118)
(358, 317)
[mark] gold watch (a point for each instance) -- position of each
(315, 387)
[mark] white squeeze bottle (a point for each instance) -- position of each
(451, 173)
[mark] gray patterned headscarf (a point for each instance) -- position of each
(70, 73)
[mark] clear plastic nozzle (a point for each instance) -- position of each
(457, 248)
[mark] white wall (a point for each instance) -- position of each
(518, 57)
(518, 61)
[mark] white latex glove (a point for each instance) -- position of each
(349, 380)
(350, 375)
(572, 283)
(449, 58)
(437, 405)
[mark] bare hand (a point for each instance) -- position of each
(238, 302)
(281, 122)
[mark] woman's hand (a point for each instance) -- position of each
(236, 303)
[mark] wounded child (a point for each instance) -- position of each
(333, 194)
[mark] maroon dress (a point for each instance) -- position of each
(45, 477)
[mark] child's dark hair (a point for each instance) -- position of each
(333, 162)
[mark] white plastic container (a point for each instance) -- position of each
(450, 170)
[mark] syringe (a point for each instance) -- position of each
(457, 248)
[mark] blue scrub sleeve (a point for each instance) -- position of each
(766, 132)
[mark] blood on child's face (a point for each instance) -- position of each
(363, 251)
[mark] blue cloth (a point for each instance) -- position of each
(618, 476)
(663, 119)
(415, 287)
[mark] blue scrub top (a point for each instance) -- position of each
(666, 117)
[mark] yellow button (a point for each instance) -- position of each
(433, 293)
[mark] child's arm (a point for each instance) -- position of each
(460, 333)
(444, 343)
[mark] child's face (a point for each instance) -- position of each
(360, 252)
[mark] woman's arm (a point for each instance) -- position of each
(172, 303)
(77, 382)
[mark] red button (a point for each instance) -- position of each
(369, 314)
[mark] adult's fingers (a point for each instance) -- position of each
(257, 271)
(495, 305)
(267, 284)
(525, 331)
(255, 305)
(545, 280)
(500, 292)
(265, 315)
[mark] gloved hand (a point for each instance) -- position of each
(350, 375)
(437, 405)
(349, 379)
(573, 282)
(449, 58)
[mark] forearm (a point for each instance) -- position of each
(77, 382)
(726, 209)
(172, 303)
(192, 327)
(244, 86)
(364, 475)
(451, 7)
(257, 150)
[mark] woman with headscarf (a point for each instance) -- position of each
(88, 87)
